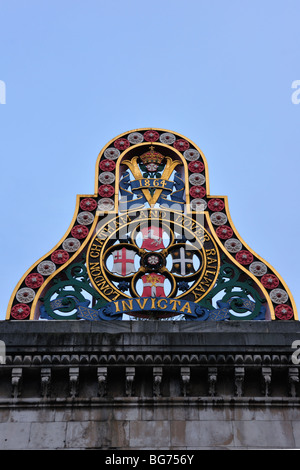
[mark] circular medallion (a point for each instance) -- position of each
(85, 218)
(20, 311)
(197, 179)
(25, 295)
(71, 245)
(270, 281)
(244, 257)
(216, 205)
(151, 136)
(284, 312)
(60, 256)
(46, 268)
(196, 167)
(197, 191)
(34, 280)
(218, 218)
(191, 155)
(233, 245)
(135, 138)
(112, 153)
(167, 138)
(121, 144)
(258, 268)
(181, 145)
(106, 190)
(224, 232)
(88, 204)
(107, 177)
(198, 204)
(153, 260)
(107, 165)
(278, 296)
(79, 231)
(106, 204)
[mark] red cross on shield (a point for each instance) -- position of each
(123, 262)
(152, 238)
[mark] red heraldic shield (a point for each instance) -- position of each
(153, 285)
(123, 262)
(152, 238)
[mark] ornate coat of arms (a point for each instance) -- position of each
(151, 242)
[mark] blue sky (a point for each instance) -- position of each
(78, 73)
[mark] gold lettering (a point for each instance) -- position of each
(159, 303)
(126, 305)
(211, 252)
(144, 303)
(153, 302)
(174, 303)
(186, 307)
(117, 306)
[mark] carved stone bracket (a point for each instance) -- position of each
(129, 381)
(74, 381)
(185, 373)
(102, 381)
(239, 376)
(16, 381)
(45, 382)
(293, 381)
(157, 380)
(266, 381)
(212, 381)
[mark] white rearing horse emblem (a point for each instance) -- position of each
(156, 240)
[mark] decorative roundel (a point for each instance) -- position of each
(121, 144)
(197, 191)
(112, 153)
(20, 311)
(85, 218)
(106, 204)
(258, 268)
(71, 245)
(107, 165)
(60, 256)
(224, 232)
(284, 312)
(34, 280)
(198, 204)
(216, 204)
(244, 257)
(106, 190)
(106, 177)
(88, 204)
(151, 136)
(196, 167)
(278, 296)
(191, 155)
(46, 268)
(197, 178)
(233, 245)
(25, 295)
(218, 218)
(270, 281)
(167, 138)
(135, 138)
(79, 231)
(181, 145)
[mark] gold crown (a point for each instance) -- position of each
(152, 156)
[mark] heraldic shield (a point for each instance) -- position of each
(151, 242)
